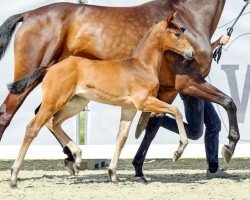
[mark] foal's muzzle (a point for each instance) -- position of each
(188, 54)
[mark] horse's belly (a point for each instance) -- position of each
(93, 94)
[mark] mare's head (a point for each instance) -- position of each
(173, 38)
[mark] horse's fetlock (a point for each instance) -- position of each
(185, 142)
(234, 137)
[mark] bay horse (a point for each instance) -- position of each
(131, 83)
(52, 33)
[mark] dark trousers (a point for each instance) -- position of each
(198, 112)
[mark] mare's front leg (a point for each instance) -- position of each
(127, 116)
(207, 92)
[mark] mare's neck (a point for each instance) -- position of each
(199, 16)
(149, 52)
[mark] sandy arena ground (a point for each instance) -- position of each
(183, 180)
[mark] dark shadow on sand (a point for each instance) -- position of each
(127, 179)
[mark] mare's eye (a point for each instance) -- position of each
(177, 35)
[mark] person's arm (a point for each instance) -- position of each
(223, 40)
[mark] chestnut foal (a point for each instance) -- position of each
(132, 84)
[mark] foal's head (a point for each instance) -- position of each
(173, 38)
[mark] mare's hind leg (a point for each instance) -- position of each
(73, 107)
(127, 117)
(9, 107)
(31, 52)
(31, 132)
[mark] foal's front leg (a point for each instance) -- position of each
(152, 104)
(127, 116)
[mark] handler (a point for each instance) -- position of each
(198, 112)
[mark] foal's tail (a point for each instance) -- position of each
(32, 79)
(7, 29)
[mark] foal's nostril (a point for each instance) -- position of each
(189, 55)
(193, 54)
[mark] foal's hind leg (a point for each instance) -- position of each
(70, 160)
(127, 117)
(31, 132)
(73, 107)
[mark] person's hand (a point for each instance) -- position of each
(224, 40)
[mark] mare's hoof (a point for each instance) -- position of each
(69, 166)
(176, 156)
(140, 179)
(112, 176)
(13, 184)
(226, 153)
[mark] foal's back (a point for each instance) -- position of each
(110, 82)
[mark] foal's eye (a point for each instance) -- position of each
(177, 35)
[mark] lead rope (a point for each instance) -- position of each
(218, 52)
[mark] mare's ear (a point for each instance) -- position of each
(171, 16)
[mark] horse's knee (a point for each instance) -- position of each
(230, 105)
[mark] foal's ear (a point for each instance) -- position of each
(171, 16)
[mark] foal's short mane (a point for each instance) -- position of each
(139, 46)
(142, 41)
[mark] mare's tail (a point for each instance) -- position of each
(7, 29)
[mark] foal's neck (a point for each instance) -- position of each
(149, 52)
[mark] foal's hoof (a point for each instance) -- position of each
(69, 166)
(77, 164)
(13, 184)
(226, 153)
(140, 179)
(112, 176)
(76, 168)
(176, 156)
